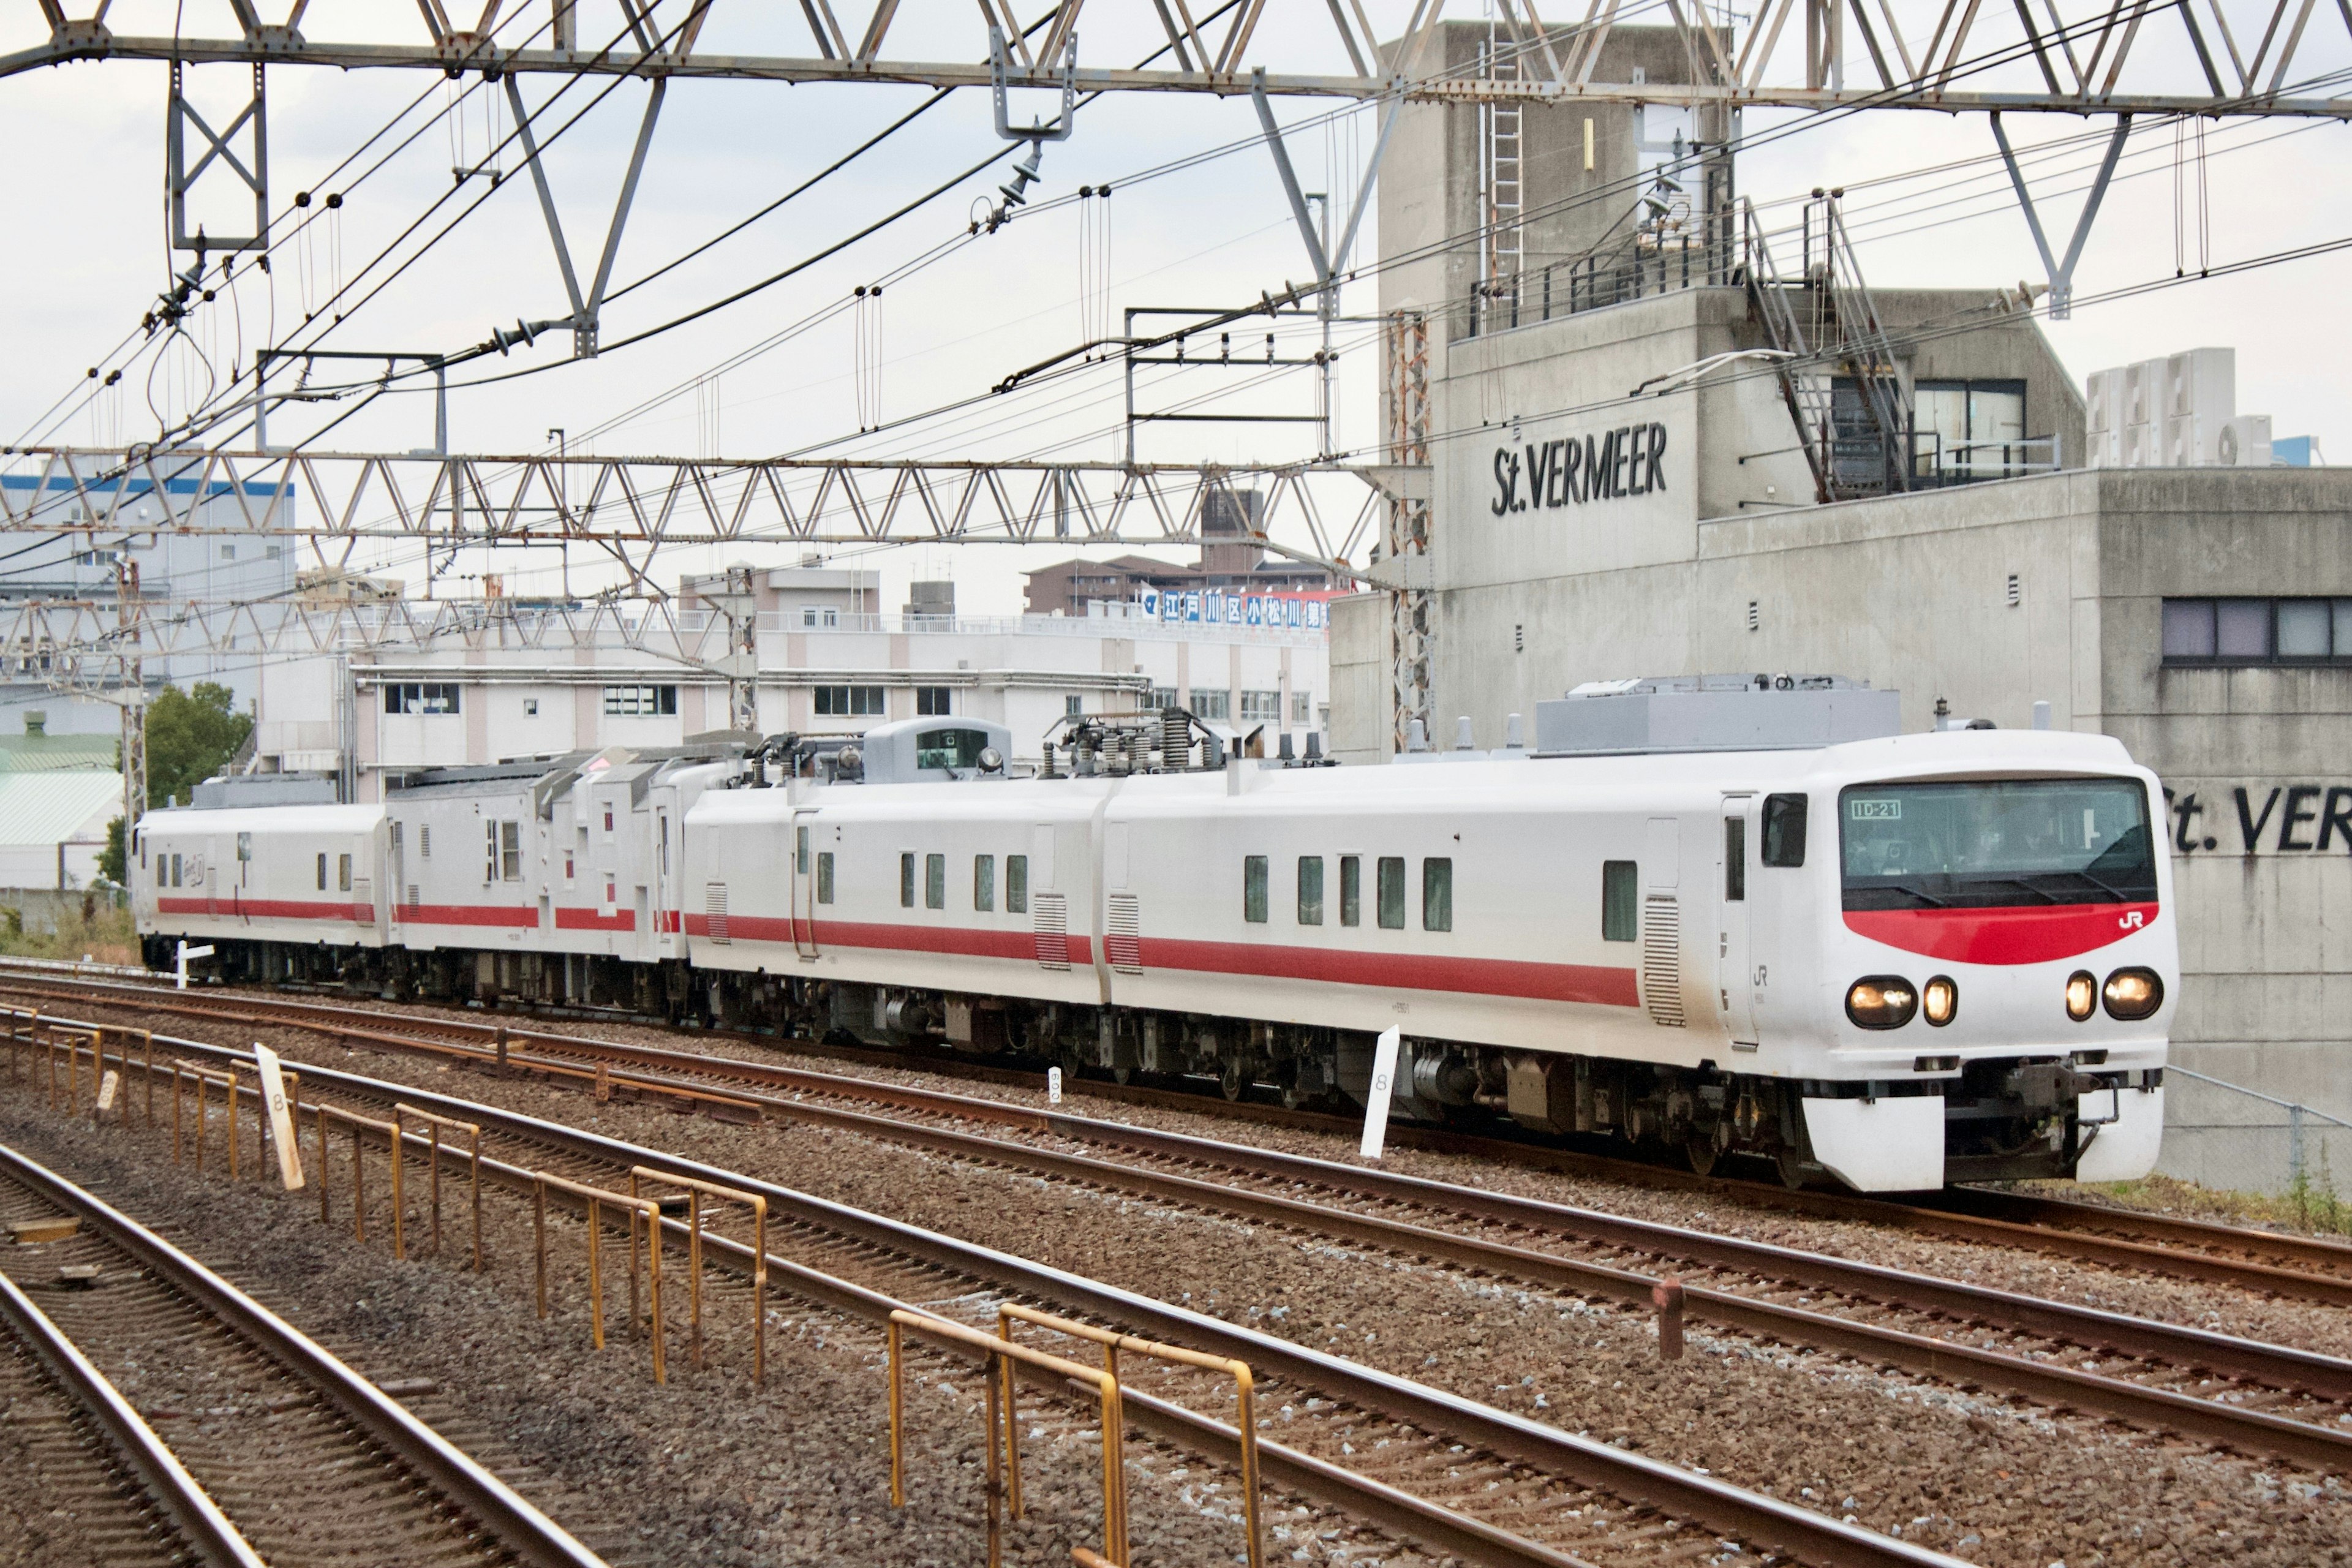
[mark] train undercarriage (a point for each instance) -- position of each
(2005, 1119)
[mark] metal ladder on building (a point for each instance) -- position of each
(1868, 452)
(1500, 164)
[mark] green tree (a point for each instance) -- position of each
(191, 735)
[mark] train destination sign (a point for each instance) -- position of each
(1629, 461)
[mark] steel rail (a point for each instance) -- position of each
(1732, 1511)
(191, 1509)
(2277, 1366)
(2054, 1232)
(520, 1528)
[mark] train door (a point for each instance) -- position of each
(1735, 962)
(664, 925)
(804, 853)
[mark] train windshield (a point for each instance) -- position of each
(1994, 843)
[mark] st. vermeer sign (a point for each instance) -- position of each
(1577, 472)
(2263, 819)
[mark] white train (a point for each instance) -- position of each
(1903, 961)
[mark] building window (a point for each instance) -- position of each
(1965, 430)
(851, 702)
(1351, 890)
(427, 696)
(907, 880)
(931, 700)
(808, 614)
(228, 551)
(1253, 889)
(1437, 894)
(934, 881)
(1261, 707)
(1620, 886)
(1391, 892)
(531, 707)
(2257, 631)
(1310, 890)
(635, 702)
(1302, 704)
(1073, 705)
(1155, 698)
(1212, 706)
(824, 876)
(1017, 884)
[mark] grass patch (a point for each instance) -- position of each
(99, 929)
(2311, 1205)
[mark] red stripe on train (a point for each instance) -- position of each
(589, 920)
(234, 908)
(2032, 934)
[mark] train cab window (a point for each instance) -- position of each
(322, 873)
(983, 883)
(1735, 859)
(1784, 830)
(1017, 884)
(1391, 892)
(824, 876)
(343, 873)
(1437, 894)
(1310, 890)
(907, 881)
(1351, 890)
(934, 881)
(1621, 901)
(1253, 889)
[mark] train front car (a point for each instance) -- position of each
(1998, 980)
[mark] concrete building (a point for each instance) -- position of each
(1628, 483)
(1231, 562)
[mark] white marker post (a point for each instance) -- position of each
(1053, 1086)
(1376, 1106)
(281, 1119)
(107, 1088)
(187, 953)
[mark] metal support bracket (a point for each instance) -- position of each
(182, 176)
(1315, 253)
(2062, 273)
(586, 310)
(1000, 70)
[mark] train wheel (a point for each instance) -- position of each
(1122, 1075)
(1233, 1080)
(1700, 1148)
(1792, 1168)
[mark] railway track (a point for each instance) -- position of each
(2266, 1262)
(275, 1451)
(1465, 1478)
(2258, 1398)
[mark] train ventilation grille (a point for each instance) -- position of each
(715, 908)
(1052, 920)
(412, 910)
(1662, 962)
(1122, 937)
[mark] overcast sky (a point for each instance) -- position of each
(88, 256)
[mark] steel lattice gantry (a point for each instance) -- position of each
(2279, 56)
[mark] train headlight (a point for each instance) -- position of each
(1881, 1002)
(2133, 993)
(1940, 1000)
(2082, 994)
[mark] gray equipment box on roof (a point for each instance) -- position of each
(1714, 713)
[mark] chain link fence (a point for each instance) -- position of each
(2220, 1135)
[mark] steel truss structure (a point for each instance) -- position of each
(2106, 55)
(627, 508)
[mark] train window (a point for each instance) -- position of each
(1735, 859)
(801, 852)
(1437, 894)
(1017, 884)
(175, 870)
(1253, 889)
(983, 882)
(343, 873)
(934, 881)
(1310, 890)
(1784, 830)
(1621, 901)
(1391, 892)
(824, 876)
(907, 881)
(510, 851)
(245, 845)
(1351, 890)
(322, 873)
